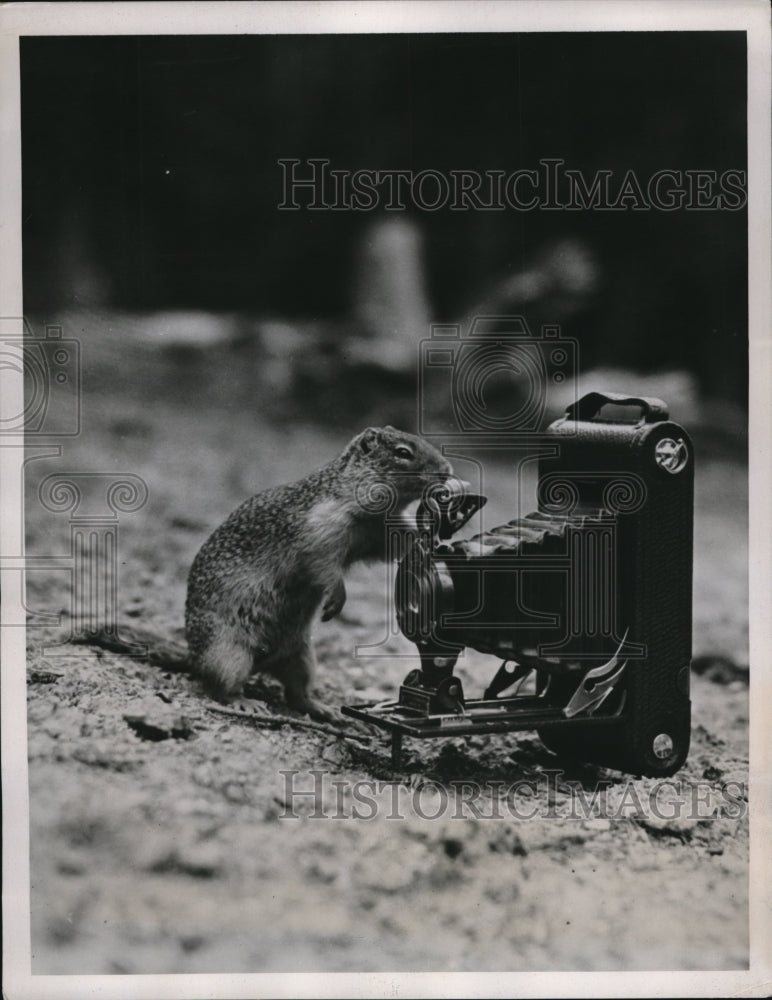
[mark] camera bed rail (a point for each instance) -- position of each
(481, 716)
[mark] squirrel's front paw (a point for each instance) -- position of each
(333, 605)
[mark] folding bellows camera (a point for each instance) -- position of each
(587, 601)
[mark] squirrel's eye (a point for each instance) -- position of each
(403, 451)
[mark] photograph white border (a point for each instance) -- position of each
(374, 17)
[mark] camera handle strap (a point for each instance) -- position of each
(590, 405)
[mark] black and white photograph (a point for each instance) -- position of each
(385, 499)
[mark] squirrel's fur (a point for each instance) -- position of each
(257, 583)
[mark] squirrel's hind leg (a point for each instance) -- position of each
(225, 664)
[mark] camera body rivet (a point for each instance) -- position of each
(662, 745)
(671, 455)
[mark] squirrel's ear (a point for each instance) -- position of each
(368, 439)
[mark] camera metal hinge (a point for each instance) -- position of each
(596, 686)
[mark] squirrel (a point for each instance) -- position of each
(261, 577)
(259, 580)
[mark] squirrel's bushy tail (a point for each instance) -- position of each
(140, 644)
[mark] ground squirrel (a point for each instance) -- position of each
(259, 580)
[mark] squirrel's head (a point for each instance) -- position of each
(393, 463)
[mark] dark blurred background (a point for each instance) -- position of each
(150, 179)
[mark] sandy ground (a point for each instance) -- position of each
(165, 838)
